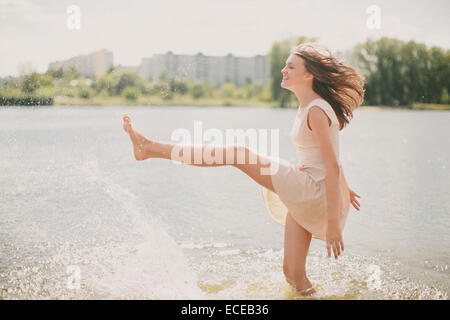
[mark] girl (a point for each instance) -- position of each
(310, 199)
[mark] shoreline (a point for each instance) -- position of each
(184, 102)
(152, 101)
(363, 108)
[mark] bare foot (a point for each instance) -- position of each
(141, 145)
(304, 288)
(307, 292)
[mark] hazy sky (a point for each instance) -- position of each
(37, 31)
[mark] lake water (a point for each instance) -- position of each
(81, 219)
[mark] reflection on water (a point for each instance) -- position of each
(80, 219)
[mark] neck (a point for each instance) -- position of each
(305, 96)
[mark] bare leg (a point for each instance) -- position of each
(297, 239)
(296, 246)
(145, 148)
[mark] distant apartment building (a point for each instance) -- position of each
(89, 65)
(216, 69)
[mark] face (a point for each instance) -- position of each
(295, 73)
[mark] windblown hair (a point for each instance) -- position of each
(339, 84)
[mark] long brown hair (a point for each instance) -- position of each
(339, 84)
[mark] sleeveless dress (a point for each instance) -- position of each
(300, 189)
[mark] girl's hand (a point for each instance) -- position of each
(353, 200)
(334, 241)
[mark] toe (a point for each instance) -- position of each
(126, 126)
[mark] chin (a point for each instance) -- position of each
(284, 86)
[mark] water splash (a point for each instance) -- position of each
(121, 250)
(256, 273)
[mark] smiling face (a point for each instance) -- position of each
(295, 73)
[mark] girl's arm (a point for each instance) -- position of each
(319, 125)
(353, 194)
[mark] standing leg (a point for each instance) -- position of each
(296, 246)
(145, 149)
(297, 239)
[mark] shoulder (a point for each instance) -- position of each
(318, 116)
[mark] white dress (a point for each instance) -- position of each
(300, 189)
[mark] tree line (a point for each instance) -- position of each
(396, 73)
(403, 73)
(130, 85)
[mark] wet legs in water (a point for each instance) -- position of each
(297, 239)
(296, 246)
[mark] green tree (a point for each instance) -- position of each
(399, 72)
(162, 88)
(208, 88)
(71, 73)
(178, 86)
(124, 79)
(258, 88)
(228, 90)
(247, 90)
(131, 93)
(114, 83)
(111, 69)
(84, 92)
(445, 98)
(45, 80)
(30, 83)
(56, 73)
(197, 91)
(438, 79)
(414, 77)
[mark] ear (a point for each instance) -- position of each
(309, 76)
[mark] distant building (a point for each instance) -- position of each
(89, 65)
(217, 69)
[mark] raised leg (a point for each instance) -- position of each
(296, 246)
(241, 157)
(297, 239)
